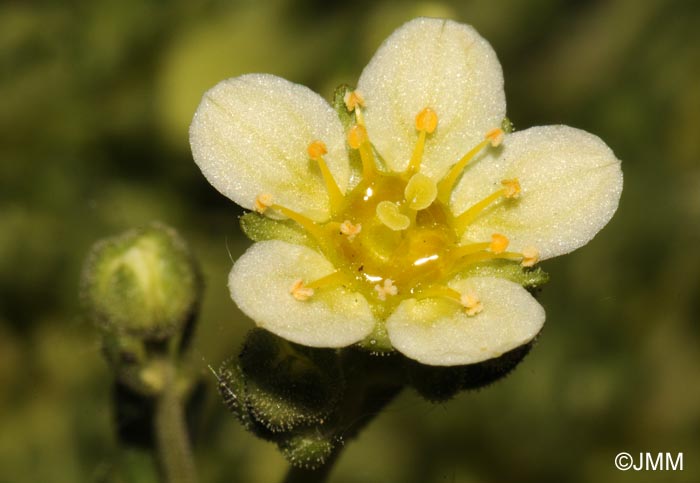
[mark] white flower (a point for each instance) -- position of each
(439, 190)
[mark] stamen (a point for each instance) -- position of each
(300, 291)
(426, 120)
(307, 223)
(350, 230)
(262, 202)
(358, 139)
(447, 184)
(387, 289)
(496, 136)
(426, 123)
(471, 302)
(530, 257)
(389, 214)
(484, 256)
(477, 252)
(511, 189)
(334, 278)
(438, 291)
(356, 136)
(353, 100)
(499, 243)
(316, 151)
(420, 192)
(464, 250)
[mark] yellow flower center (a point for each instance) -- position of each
(394, 235)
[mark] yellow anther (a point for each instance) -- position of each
(426, 120)
(356, 136)
(511, 188)
(353, 99)
(387, 289)
(316, 150)
(420, 192)
(496, 136)
(389, 214)
(470, 301)
(499, 243)
(300, 291)
(530, 257)
(350, 230)
(262, 202)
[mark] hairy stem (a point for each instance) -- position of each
(173, 444)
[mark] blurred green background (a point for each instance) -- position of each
(95, 102)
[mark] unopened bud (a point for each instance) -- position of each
(143, 283)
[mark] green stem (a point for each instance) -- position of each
(173, 444)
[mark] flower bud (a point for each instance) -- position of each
(288, 385)
(275, 387)
(439, 384)
(143, 283)
(232, 388)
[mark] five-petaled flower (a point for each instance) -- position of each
(409, 211)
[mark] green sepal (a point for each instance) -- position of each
(507, 125)
(258, 227)
(529, 278)
(377, 342)
(347, 118)
(288, 385)
(308, 449)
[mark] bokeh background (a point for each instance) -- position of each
(95, 102)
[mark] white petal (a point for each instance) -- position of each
(571, 185)
(439, 332)
(260, 282)
(250, 136)
(440, 64)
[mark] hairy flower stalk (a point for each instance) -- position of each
(416, 217)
